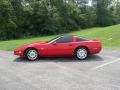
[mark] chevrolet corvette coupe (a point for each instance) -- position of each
(61, 46)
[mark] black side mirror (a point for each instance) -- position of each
(54, 43)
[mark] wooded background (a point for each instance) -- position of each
(25, 18)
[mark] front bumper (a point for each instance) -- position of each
(19, 53)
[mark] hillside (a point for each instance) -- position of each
(110, 37)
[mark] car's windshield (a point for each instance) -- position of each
(54, 39)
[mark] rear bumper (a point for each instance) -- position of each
(95, 50)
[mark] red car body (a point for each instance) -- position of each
(46, 49)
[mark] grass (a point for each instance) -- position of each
(110, 37)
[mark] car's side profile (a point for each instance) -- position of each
(61, 46)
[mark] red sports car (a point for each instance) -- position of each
(61, 46)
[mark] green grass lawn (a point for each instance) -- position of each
(110, 37)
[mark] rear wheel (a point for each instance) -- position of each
(81, 53)
(31, 54)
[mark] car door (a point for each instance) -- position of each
(61, 47)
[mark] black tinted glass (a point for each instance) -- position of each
(64, 39)
(81, 39)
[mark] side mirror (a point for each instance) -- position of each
(54, 43)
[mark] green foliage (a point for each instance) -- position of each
(109, 36)
(105, 15)
(7, 20)
(26, 18)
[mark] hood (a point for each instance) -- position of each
(36, 43)
(31, 45)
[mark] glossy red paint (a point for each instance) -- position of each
(60, 49)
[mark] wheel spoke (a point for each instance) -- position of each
(81, 53)
(32, 54)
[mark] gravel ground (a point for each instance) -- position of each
(98, 72)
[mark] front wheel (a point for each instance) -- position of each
(81, 53)
(31, 54)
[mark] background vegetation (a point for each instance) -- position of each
(26, 18)
(108, 35)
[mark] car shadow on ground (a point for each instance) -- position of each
(92, 58)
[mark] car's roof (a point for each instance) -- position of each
(82, 37)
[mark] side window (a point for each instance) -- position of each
(81, 39)
(64, 39)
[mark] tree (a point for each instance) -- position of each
(104, 16)
(23, 18)
(7, 20)
(117, 10)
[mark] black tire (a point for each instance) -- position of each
(31, 54)
(81, 53)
